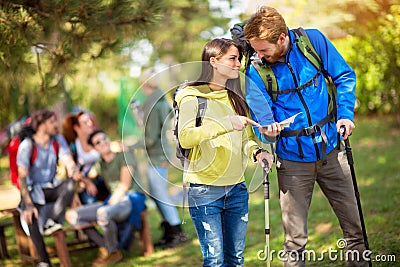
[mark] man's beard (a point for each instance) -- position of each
(277, 56)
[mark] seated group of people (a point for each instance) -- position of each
(99, 185)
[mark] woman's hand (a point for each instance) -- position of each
(240, 122)
(264, 155)
(91, 188)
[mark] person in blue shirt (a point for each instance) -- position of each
(44, 197)
(308, 150)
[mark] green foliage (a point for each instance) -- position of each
(106, 113)
(362, 16)
(185, 27)
(42, 42)
(126, 122)
(375, 56)
(53, 50)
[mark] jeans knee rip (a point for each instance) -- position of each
(206, 226)
(71, 216)
(245, 218)
(211, 249)
(102, 217)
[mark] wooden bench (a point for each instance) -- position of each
(3, 240)
(63, 247)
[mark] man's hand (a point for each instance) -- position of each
(28, 212)
(116, 196)
(348, 125)
(271, 130)
(77, 175)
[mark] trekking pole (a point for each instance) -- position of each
(266, 210)
(356, 192)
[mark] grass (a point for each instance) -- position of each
(375, 144)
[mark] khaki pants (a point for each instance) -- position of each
(296, 184)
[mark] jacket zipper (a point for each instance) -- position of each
(305, 107)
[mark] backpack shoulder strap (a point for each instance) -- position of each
(176, 107)
(201, 111)
(305, 46)
(56, 146)
(72, 148)
(268, 77)
(34, 151)
(308, 50)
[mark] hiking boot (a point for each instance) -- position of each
(165, 227)
(111, 259)
(51, 227)
(173, 236)
(176, 236)
(101, 256)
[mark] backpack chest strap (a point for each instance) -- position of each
(268, 77)
(293, 90)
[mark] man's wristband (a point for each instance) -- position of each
(28, 207)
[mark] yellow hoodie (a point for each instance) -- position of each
(218, 152)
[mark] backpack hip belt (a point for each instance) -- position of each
(317, 127)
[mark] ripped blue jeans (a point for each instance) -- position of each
(220, 216)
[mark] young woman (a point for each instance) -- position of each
(220, 146)
(76, 128)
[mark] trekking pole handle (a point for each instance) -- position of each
(266, 165)
(342, 130)
(347, 146)
(266, 180)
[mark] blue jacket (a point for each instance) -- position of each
(298, 70)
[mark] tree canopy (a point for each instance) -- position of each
(372, 48)
(74, 49)
(43, 41)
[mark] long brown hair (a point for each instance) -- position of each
(217, 48)
(68, 126)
